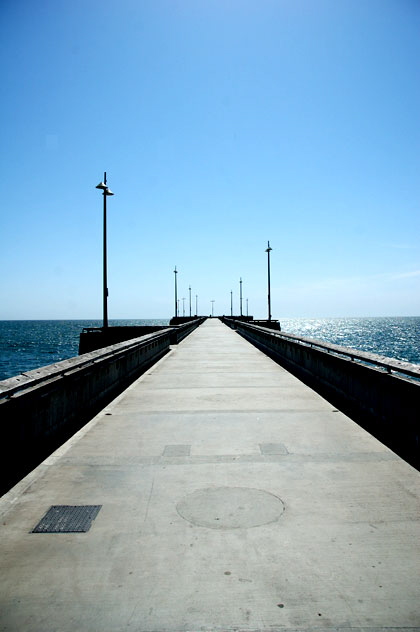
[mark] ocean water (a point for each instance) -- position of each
(393, 337)
(30, 344)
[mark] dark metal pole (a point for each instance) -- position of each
(196, 304)
(105, 192)
(269, 291)
(190, 299)
(176, 294)
(105, 290)
(240, 295)
(231, 303)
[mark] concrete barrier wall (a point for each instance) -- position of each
(40, 409)
(381, 394)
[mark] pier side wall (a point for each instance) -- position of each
(41, 409)
(383, 401)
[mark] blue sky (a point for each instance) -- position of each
(221, 125)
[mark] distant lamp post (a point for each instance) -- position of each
(240, 296)
(190, 299)
(196, 304)
(176, 294)
(106, 192)
(247, 307)
(231, 303)
(183, 306)
(268, 250)
(212, 308)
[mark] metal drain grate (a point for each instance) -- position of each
(67, 519)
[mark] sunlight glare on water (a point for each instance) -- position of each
(393, 337)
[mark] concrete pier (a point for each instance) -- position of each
(231, 497)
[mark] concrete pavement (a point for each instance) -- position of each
(232, 497)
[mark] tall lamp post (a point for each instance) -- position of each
(231, 303)
(190, 299)
(106, 192)
(183, 306)
(268, 250)
(212, 306)
(196, 304)
(240, 295)
(176, 294)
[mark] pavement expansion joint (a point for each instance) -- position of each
(267, 457)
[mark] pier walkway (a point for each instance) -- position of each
(228, 496)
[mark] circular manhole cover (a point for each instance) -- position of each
(230, 507)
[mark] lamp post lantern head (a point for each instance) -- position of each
(104, 188)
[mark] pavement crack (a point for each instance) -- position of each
(149, 499)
